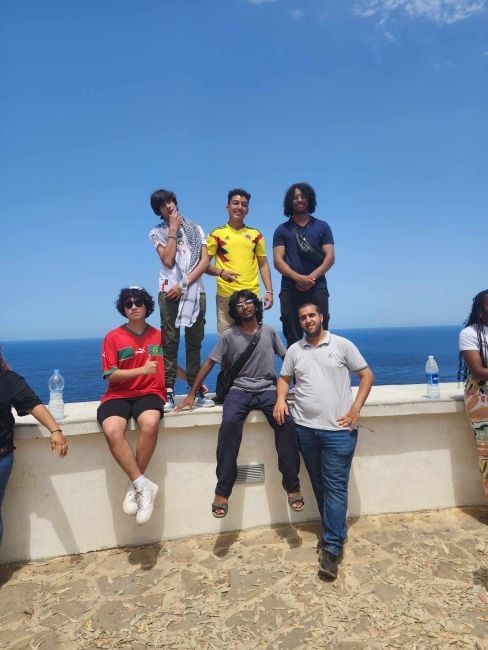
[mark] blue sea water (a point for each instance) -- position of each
(396, 355)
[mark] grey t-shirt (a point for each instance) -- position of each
(323, 383)
(258, 373)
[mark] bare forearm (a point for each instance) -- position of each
(365, 383)
(324, 267)
(212, 270)
(282, 386)
(266, 275)
(199, 269)
(44, 417)
(284, 269)
(122, 375)
(167, 253)
(205, 368)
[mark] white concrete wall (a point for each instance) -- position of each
(412, 454)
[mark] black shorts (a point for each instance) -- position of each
(130, 407)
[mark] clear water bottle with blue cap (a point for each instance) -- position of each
(56, 402)
(432, 378)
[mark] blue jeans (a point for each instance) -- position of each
(6, 463)
(328, 457)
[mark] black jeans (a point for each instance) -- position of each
(291, 300)
(236, 407)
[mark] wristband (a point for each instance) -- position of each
(220, 274)
(172, 237)
(55, 431)
(268, 291)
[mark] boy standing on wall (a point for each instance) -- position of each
(240, 256)
(182, 249)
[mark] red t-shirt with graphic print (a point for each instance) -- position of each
(123, 349)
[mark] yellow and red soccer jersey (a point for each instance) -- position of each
(237, 251)
(123, 349)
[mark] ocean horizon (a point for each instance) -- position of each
(397, 355)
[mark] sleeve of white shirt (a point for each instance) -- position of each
(158, 237)
(353, 358)
(288, 367)
(468, 339)
(204, 239)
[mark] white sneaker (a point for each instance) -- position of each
(130, 504)
(170, 401)
(145, 502)
(203, 401)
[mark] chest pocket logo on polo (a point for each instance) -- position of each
(125, 353)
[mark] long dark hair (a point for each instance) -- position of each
(3, 364)
(247, 295)
(475, 319)
(307, 191)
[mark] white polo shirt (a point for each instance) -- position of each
(323, 383)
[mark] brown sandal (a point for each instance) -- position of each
(219, 506)
(296, 503)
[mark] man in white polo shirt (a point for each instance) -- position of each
(325, 416)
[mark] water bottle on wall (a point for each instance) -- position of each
(56, 403)
(432, 377)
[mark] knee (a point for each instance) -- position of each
(149, 429)
(113, 434)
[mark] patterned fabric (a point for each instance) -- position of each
(476, 403)
(189, 303)
(194, 241)
(123, 349)
(237, 251)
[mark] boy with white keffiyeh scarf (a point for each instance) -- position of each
(182, 249)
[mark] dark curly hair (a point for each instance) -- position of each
(159, 197)
(307, 191)
(3, 364)
(237, 192)
(134, 293)
(247, 295)
(475, 319)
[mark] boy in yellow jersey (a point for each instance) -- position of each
(240, 257)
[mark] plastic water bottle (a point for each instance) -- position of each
(432, 377)
(56, 403)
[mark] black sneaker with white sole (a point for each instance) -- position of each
(328, 563)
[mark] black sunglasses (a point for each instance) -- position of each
(137, 303)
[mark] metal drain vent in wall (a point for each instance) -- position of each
(250, 473)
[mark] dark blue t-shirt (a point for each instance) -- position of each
(315, 231)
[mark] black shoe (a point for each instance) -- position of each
(328, 563)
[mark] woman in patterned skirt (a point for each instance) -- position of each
(473, 370)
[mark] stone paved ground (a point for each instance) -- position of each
(406, 581)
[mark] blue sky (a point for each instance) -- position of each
(380, 104)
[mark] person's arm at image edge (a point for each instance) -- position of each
(44, 417)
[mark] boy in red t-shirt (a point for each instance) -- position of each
(132, 359)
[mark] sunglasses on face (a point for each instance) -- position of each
(136, 303)
(246, 303)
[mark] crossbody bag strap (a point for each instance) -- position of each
(246, 355)
(316, 249)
